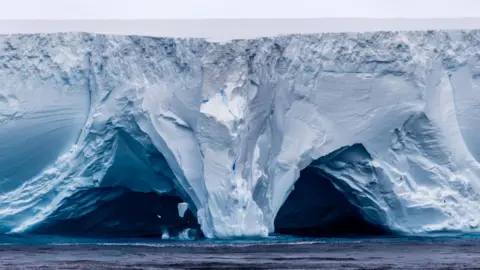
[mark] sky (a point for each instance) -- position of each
(201, 9)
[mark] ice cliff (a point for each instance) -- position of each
(383, 126)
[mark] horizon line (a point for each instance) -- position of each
(217, 29)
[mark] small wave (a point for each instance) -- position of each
(213, 245)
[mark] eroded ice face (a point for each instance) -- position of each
(389, 119)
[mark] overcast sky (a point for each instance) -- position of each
(194, 9)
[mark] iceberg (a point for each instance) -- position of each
(372, 132)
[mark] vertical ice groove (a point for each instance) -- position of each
(390, 118)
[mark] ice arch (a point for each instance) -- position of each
(328, 198)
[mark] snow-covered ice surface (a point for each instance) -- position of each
(221, 30)
(390, 118)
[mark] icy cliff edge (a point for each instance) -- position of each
(391, 119)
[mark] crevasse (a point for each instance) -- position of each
(389, 119)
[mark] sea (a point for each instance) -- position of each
(275, 252)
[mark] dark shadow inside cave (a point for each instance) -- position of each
(119, 212)
(317, 208)
(136, 198)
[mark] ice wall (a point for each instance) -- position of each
(229, 126)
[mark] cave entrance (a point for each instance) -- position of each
(121, 212)
(318, 208)
(137, 197)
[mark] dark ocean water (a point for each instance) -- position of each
(273, 253)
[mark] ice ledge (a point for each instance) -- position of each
(228, 29)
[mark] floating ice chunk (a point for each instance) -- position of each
(182, 208)
(165, 234)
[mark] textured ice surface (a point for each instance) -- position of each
(322, 205)
(390, 118)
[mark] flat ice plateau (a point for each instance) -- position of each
(221, 30)
(388, 119)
